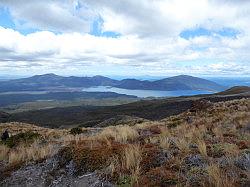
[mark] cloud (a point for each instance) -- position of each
(149, 39)
(72, 50)
(58, 16)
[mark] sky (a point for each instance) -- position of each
(125, 37)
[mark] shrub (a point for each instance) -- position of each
(26, 138)
(124, 181)
(76, 130)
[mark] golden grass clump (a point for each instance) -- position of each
(218, 178)
(183, 144)
(119, 133)
(202, 147)
(231, 149)
(164, 142)
(4, 150)
(32, 153)
(131, 160)
(218, 132)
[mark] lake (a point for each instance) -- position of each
(145, 93)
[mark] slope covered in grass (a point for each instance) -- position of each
(207, 145)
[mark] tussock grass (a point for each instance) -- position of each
(202, 147)
(32, 153)
(131, 159)
(119, 133)
(4, 150)
(164, 142)
(183, 144)
(218, 132)
(231, 149)
(218, 178)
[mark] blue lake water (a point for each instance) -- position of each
(145, 93)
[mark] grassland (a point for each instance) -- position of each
(207, 145)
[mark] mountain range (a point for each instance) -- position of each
(52, 81)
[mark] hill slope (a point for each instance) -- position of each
(235, 90)
(52, 81)
(189, 83)
(91, 116)
(205, 147)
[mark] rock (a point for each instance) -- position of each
(195, 161)
(223, 162)
(193, 146)
(243, 161)
(49, 173)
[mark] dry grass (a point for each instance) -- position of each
(114, 164)
(217, 177)
(153, 140)
(220, 134)
(183, 144)
(164, 142)
(161, 140)
(131, 159)
(32, 153)
(72, 138)
(202, 147)
(17, 127)
(4, 150)
(231, 149)
(119, 133)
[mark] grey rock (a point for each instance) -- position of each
(195, 161)
(243, 161)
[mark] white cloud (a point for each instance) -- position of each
(59, 16)
(149, 40)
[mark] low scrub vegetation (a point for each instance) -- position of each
(209, 147)
(76, 130)
(22, 138)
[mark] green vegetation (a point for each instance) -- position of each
(76, 130)
(22, 138)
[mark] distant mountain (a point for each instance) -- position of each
(46, 81)
(181, 82)
(190, 83)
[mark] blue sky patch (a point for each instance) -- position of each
(97, 30)
(225, 32)
(6, 19)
